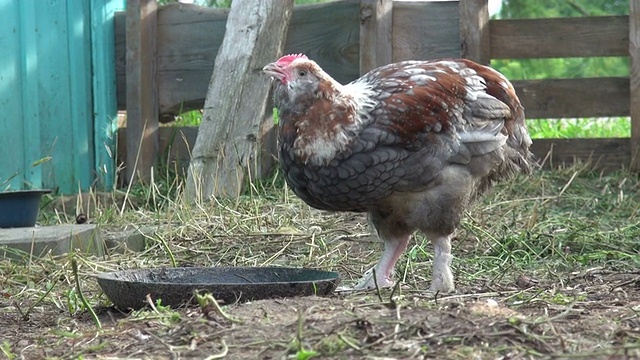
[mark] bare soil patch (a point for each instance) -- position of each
(593, 316)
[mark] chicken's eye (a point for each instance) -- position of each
(302, 73)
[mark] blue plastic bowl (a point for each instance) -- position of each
(20, 208)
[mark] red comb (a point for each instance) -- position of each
(287, 59)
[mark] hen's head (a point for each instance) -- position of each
(297, 80)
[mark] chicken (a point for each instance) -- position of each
(411, 144)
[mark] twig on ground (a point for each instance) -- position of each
(151, 304)
(349, 342)
(221, 354)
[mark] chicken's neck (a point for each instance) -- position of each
(331, 122)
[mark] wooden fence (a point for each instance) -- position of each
(483, 39)
(348, 37)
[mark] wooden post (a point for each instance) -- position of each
(229, 137)
(376, 20)
(142, 92)
(634, 80)
(474, 30)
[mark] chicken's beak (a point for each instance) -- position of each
(274, 71)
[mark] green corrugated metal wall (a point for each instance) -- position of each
(57, 94)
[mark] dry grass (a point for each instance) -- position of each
(546, 266)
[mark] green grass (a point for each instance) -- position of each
(613, 127)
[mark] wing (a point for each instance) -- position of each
(444, 99)
(470, 111)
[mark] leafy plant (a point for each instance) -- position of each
(304, 354)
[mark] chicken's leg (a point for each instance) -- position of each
(442, 276)
(393, 248)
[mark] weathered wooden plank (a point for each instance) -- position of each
(174, 147)
(228, 142)
(176, 143)
(474, 30)
(425, 30)
(606, 154)
(583, 97)
(559, 37)
(142, 95)
(634, 88)
(327, 33)
(376, 18)
(189, 37)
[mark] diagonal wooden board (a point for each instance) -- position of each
(237, 99)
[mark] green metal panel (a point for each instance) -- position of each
(104, 85)
(64, 104)
(57, 92)
(11, 142)
(30, 94)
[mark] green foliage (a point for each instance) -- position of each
(580, 128)
(518, 69)
(189, 118)
(566, 67)
(520, 9)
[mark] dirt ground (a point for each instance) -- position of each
(551, 273)
(594, 316)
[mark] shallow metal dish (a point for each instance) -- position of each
(128, 289)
